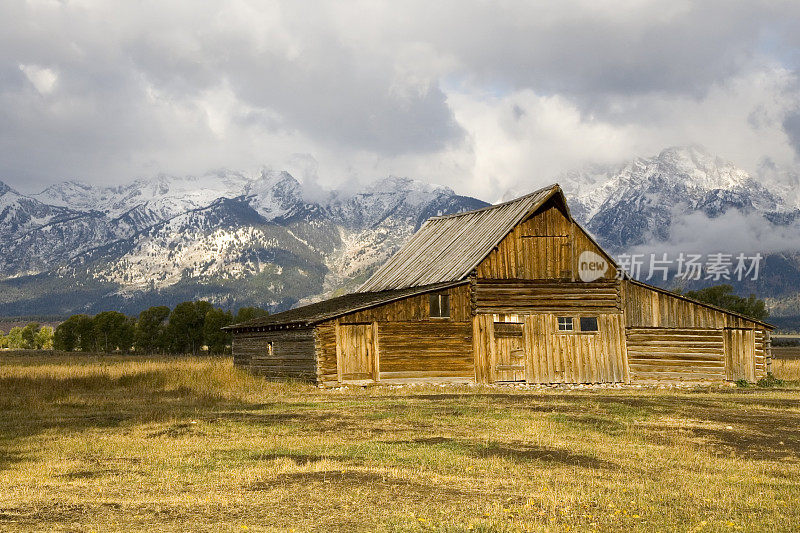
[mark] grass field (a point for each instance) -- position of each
(115, 443)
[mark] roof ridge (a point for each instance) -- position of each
(495, 206)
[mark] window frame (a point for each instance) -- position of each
(596, 324)
(571, 322)
(439, 298)
(577, 326)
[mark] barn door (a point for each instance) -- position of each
(509, 351)
(356, 347)
(740, 354)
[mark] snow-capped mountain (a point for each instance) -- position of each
(223, 236)
(638, 202)
(686, 200)
(263, 240)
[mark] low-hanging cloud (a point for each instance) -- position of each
(732, 232)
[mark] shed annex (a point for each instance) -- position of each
(515, 292)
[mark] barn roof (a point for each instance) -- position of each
(311, 314)
(448, 248)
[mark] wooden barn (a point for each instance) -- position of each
(495, 295)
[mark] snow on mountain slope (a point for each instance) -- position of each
(638, 202)
(237, 240)
(194, 236)
(685, 200)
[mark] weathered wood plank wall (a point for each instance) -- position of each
(415, 308)
(520, 296)
(545, 246)
(425, 349)
(681, 331)
(677, 353)
(410, 344)
(646, 307)
(552, 356)
(292, 354)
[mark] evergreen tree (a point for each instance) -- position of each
(723, 296)
(110, 331)
(151, 330)
(215, 338)
(245, 314)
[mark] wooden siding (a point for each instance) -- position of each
(552, 356)
(410, 344)
(646, 307)
(415, 308)
(325, 347)
(356, 351)
(744, 355)
(519, 296)
(676, 354)
(292, 353)
(545, 246)
(434, 349)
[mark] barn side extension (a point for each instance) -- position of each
(495, 295)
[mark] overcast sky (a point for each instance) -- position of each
(481, 96)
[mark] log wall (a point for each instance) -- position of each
(673, 338)
(292, 353)
(425, 350)
(676, 354)
(520, 296)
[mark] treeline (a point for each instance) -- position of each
(186, 329)
(724, 297)
(31, 337)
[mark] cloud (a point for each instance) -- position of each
(791, 125)
(44, 79)
(732, 232)
(477, 96)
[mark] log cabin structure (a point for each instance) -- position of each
(502, 294)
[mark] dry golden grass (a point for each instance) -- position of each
(98, 443)
(788, 369)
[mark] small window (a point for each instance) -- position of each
(565, 323)
(440, 305)
(588, 323)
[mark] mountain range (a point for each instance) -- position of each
(264, 240)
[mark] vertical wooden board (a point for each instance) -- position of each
(339, 341)
(610, 347)
(580, 353)
(479, 360)
(623, 349)
(492, 352)
(729, 370)
(747, 356)
(560, 358)
(377, 355)
(738, 367)
(586, 377)
(545, 342)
